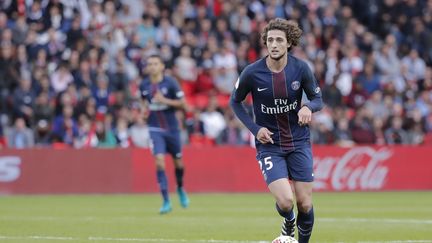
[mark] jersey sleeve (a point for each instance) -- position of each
(175, 91)
(241, 90)
(144, 93)
(312, 90)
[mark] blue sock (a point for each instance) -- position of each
(288, 215)
(163, 184)
(179, 176)
(305, 223)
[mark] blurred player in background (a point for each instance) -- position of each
(276, 83)
(162, 95)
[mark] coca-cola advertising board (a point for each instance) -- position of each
(208, 169)
(372, 168)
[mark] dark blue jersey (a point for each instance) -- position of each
(276, 101)
(162, 117)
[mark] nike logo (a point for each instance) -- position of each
(261, 89)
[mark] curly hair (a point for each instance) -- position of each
(290, 27)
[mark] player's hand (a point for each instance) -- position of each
(304, 116)
(158, 97)
(264, 136)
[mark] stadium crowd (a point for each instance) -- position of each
(70, 69)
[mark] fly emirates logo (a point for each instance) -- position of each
(280, 106)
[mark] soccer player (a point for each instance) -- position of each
(162, 95)
(276, 83)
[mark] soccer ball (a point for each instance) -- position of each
(284, 239)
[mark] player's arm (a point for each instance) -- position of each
(178, 103)
(144, 108)
(313, 92)
(175, 97)
(236, 101)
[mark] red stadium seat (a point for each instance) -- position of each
(198, 140)
(2, 142)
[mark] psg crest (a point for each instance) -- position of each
(295, 85)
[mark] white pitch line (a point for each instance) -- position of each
(369, 220)
(352, 220)
(36, 237)
(171, 240)
(398, 241)
(93, 238)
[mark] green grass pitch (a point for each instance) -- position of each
(393, 217)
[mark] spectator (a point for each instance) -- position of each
(61, 78)
(358, 96)
(9, 75)
(395, 134)
(43, 109)
(64, 127)
(332, 96)
(226, 64)
(389, 65)
(351, 63)
(378, 105)
(24, 100)
(53, 18)
(239, 21)
(369, 79)
(205, 84)
(186, 70)
(342, 134)
(20, 136)
(98, 19)
(42, 133)
(19, 32)
(105, 136)
(361, 127)
(84, 76)
(146, 30)
(415, 127)
(194, 124)
(121, 133)
(415, 65)
(75, 33)
(213, 120)
(133, 49)
(101, 92)
(55, 44)
(166, 33)
(324, 124)
(139, 132)
(34, 15)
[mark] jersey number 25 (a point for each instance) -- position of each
(268, 165)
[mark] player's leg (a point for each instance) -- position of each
(159, 150)
(163, 183)
(274, 169)
(305, 217)
(281, 190)
(181, 192)
(175, 149)
(300, 165)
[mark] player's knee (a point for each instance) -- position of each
(178, 163)
(160, 164)
(160, 167)
(160, 160)
(285, 204)
(304, 206)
